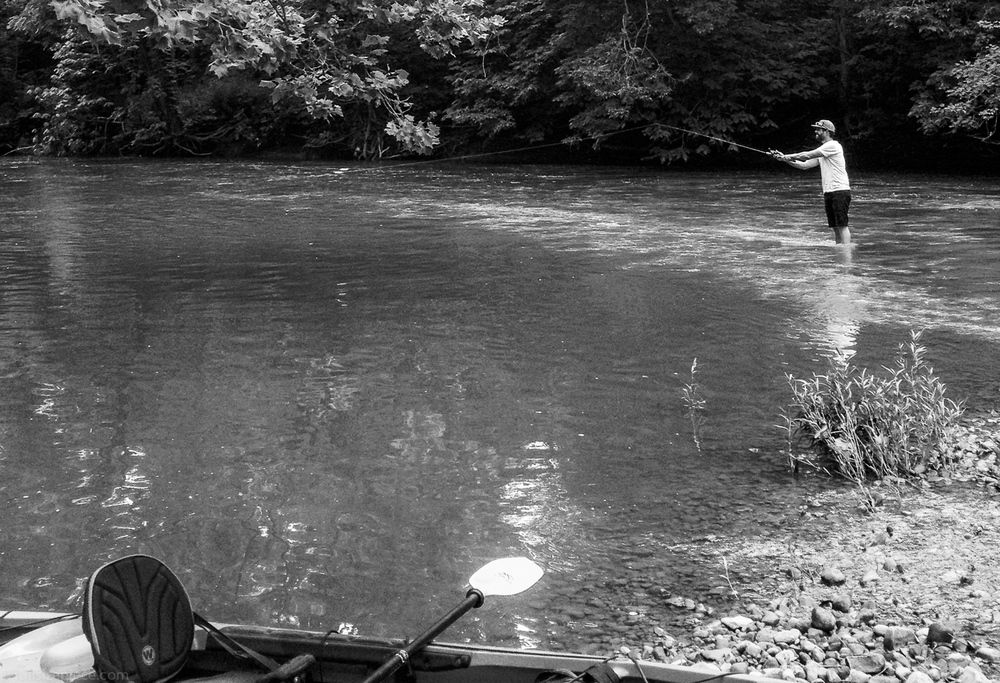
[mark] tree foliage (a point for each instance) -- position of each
(314, 59)
(630, 79)
(955, 48)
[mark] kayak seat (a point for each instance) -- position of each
(139, 621)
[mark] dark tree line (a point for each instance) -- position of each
(907, 81)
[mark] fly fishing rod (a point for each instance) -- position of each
(717, 139)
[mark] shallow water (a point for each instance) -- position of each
(327, 394)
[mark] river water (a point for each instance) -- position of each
(327, 394)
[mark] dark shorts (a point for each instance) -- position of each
(837, 204)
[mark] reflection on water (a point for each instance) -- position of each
(328, 395)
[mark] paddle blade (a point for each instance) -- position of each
(507, 576)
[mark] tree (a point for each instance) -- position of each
(584, 69)
(965, 98)
(317, 58)
(958, 53)
(26, 42)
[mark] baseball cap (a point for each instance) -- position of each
(825, 125)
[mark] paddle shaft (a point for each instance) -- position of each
(474, 598)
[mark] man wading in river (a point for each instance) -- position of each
(829, 156)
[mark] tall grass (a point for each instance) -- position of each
(861, 425)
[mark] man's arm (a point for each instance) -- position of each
(806, 156)
(803, 160)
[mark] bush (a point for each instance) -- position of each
(860, 425)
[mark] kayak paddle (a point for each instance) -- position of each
(507, 576)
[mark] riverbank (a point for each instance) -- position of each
(910, 591)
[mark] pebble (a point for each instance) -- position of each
(896, 637)
(871, 663)
(737, 623)
(831, 576)
(991, 654)
(824, 639)
(823, 619)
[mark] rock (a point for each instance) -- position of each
(919, 677)
(871, 663)
(785, 657)
(866, 616)
(815, 672)
(902, 660)
(841, 602)
(856, 648)
(721, 654)
(897, 637)
(737, 623)
(832, 576)
(883, 679)
(941, 632)
(990, 654)
(787, 636)
(870, 577)
(858, 677)
(823, 619)
(800, 625)
(771, 618)
(955, 662)
(951, 576)
(972, 674)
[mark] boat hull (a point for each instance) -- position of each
(29, 652)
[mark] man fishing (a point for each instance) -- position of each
(829, 156)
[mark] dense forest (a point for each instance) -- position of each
(909, 83)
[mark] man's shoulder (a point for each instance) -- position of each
(831, 147)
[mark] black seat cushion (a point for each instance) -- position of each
(138, 619)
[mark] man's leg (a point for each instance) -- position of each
(838, 205)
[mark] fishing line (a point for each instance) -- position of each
(531, 148)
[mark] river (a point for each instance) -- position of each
(326, 394)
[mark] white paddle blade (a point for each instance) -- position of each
(507, 576)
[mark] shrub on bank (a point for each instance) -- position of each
(861, 425)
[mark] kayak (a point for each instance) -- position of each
(46, 647)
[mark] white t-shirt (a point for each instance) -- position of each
(832, 166)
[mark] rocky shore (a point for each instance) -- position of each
(909, 595)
